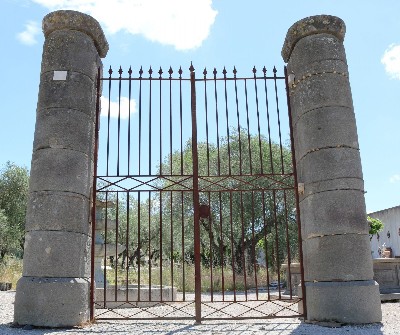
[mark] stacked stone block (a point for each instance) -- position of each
(54, 290)
(337, 258)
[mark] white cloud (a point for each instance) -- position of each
(114, 107)
(391, 60)
(184, 24)
(395, 178)
(28, 36)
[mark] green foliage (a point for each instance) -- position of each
(249, 218)
(375, 226)
(13, 199)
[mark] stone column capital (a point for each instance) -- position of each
(318, 24)
(73, 20)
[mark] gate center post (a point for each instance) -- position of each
(196, 201)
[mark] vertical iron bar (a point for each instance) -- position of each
(183, 249)
(279, 120)
(258, 121)
(116, 248)
(161, 160)
(140, 118)
(248, 127)
(129, 118)
(232, 249)
(243, 245)
(180, 116)
(289, 279)
(268, 120)
(227, 124)
(161, 247)
(278, 266)
(196, 198)
(217, 120)
(172, 247)
(105, 252)
(253, 243)
(206, 110)
(170, 117)
(149, 245)
(211, 235)
(94, 192)
(211, 259)
(139, 245)
(296, 192)
(110, 71)
(265, 243)
(221, 247)
(126, 261)
(150, 80)
(119, 118)
(238, 121)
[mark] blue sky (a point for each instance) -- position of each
(215, 34)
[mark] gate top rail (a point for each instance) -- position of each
(170, 72)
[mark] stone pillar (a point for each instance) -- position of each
(337, 257)
(54, 290)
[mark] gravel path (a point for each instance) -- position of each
(389, 326)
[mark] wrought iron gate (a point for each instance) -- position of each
(195, 197)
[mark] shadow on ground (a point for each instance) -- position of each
(275, 327)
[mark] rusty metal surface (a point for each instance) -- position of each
(202, 180)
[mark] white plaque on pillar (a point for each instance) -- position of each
(60, 75)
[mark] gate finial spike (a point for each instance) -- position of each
(191, 67)
(180, 72)
(110, 71)
(130, 71)
(160, 72)
(120, 71)
(234, 71)
(205, 73)
(150, 71)
(264, 70)
(141, 71)
(224, 72)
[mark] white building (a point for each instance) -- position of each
(390, 236)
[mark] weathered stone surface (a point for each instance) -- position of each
(327, 164)
(52, 302)
(316, 52)
(337, 258)
(56, 254)
(63, 211)
(77, 92)
(333, 212)
(344, 302)
(57, 242)
(72, 20)
(60, 170)
(70, 50)
(65, 129)
(337, 184)
(326, 127)
(334, 232)
(318, 24)
(323, 90)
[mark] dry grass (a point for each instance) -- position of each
(10, 270)
(222, 279)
